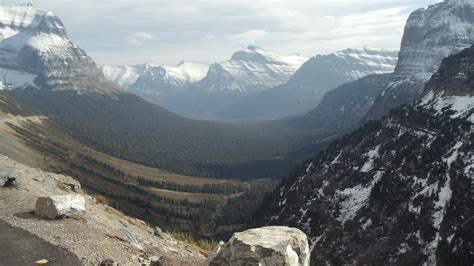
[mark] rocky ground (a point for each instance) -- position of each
(103, 232)
(20, 247)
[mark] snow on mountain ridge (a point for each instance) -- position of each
(250, 70)
(184, 74)
(36, 43)
(259, 55)
(307, 86)
(20, 16)
(123, 76)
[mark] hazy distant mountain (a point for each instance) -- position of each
(251, 70)
(155, 83)
(307, 86)
(148, 79)
(125, 76)
(430, 35)
(398, 190)
(199, 90)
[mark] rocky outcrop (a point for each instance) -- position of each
(431, 34)
(271, 245)
(60, 206)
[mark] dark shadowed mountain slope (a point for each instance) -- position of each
(343, 107)
(396, 191)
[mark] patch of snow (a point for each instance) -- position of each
(371, 156)
(336, 160)
(352, 199)
(11, 79)
(20, 16)
(48, 42)
(366, 224)
(123, 76)
(460, 105)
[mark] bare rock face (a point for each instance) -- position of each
(431, 34)
(271, 245)
(60, 206)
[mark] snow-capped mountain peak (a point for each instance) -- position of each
(36, 51)
(195, 70)
(259, 55)
(251, 70)
(180, 76)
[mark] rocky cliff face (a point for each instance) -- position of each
(431, 34)
(398, 190)
(35, 50)
(308, 85)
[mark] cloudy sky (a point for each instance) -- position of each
(166, 32)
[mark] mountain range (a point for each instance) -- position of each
(397, 189)
(254, 84)
(198, 89)
(305, 89)
(60, 81)
(389, 179)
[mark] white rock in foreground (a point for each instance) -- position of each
(271, 245)
(60, 206)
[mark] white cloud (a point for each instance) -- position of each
(211, 30)
(248, 37)
(208, 37)
(140, 38)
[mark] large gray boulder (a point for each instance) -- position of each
(271, 245)
(60, 206)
